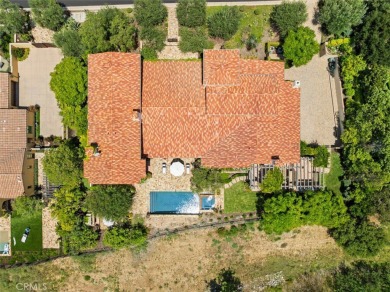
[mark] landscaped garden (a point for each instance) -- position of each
(240, 199)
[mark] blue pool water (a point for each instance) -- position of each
(174, 202)
(208, 202)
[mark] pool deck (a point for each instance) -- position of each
(159, 182)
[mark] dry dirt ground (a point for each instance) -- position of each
(187, 261)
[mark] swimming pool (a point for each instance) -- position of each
(208, 202)
(171, 202)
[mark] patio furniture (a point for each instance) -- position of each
(25, 234)
(177, 167)
(188, 168)
(164, 168)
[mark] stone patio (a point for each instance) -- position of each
(49, 235)
(159, 182)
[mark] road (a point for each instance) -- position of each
(73, 3)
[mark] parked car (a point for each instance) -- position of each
(164, 168)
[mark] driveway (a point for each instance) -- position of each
(321, 96)
(34, 88)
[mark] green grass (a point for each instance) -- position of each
(37, 116)
(239, 199)
(34, 240)
(250, 23)
(332, 179)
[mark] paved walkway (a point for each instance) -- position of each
(171, 50)
(34, 88)
(321, 103)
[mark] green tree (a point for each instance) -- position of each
(63, 165)
(109, 29)
(194, 40)
(373, 35)
(47, 13)
(359, 238)
(288, 16)
(67, 208)
(69, 39)
(362, 276)
(191, 13)
(153, 38)
(69, 84)
(112, 202)
(321, 157)
(338, 17)
(272, 182)
(149, 12)
(300, 46)
(12, 18)
(81, 237)
(226, 281)
(126, 235)
(224, 23)
(25, 206)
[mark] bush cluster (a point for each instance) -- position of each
(320, 153)
(224, 23)
(191, 13)
(194, 40)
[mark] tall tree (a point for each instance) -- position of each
(338, 17)
(288, 16)
(300, 46)
(63, 165)
(224, 23)
(47, 13)
(149, 12)
(373, 36)
(69, 39)
(109, 29)
(112, 202)
(191, 13)
(69, 84)
(12, 18)
(272, 182)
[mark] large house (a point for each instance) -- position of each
(16, 139)
(228, 111)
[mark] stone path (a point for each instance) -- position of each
(49, 235)
(171, 50)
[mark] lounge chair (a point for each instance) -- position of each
(164, 168)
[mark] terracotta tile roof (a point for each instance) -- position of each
(114, 85)
(250, 113)
(11, 170)
(221, 67)
(13, 140)
(4, 90)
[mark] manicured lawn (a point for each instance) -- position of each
(34, 240)
(250, 23)
(239, 199)
(332, 179)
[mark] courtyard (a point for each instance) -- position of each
(34, 88)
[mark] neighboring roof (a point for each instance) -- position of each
(4, 90)
(13, 137)
(11, 168)
(114, 97)
(246, 113)
(13, 128)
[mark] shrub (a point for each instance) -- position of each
(288, 16)
(26, 206)
(112, 202)
(149, 12)
(191, 13)
(70, 42)
(126, 235)
(226, 281)
(224, 23)
(322, 156)
(194, 40)
(359, 238)
(300, 46)
(257, 11)
(349, 92)
(206, 179)
(272, 182)
(251, 42)
(47, 13)
(153, 38)
(13, 19)
(149, 53)
(21, 53)
(129, 10)
(81, 237)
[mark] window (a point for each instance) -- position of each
(29, 129)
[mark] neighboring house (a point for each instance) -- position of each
(228, 111)
(16, 140)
